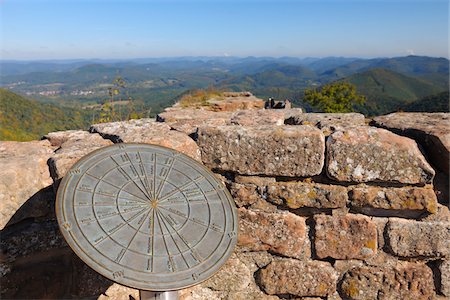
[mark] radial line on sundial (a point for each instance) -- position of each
(178, 189)
(119, 188)
(145, 175)
(137, 173)
(176, 245)
(164, 239)
(134, 235)
(125, 174)
(161, 184)
(194, 253)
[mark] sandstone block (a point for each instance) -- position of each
(234, 103)
(282, 233)
(345, 237)
(23, 173)
(188, 120)
(298, 278)
(148, 131)
(327, 122)
(302, 194)
(431, 130)
(444, 270)
(406, 198)
(254, 180)
(255, 117)
(244, 195)
(268, 150)
(404, 281)
(419, 239)
(233, 276)
(58, 138)
(365, 154)
(72, 150)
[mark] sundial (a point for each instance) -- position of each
(147, 217)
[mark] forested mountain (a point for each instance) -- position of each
(23, 119)
(388, 91)
(388, 83)
(434, 103)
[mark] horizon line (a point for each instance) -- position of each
(212, 56)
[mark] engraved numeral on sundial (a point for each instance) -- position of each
(124, 158)
(216, 228)
(118, 274)
(231, 234)
(84, 188)
(194, 276)
(168, 161)
(122, 146)
(163, 172)
(67, 226)
(87, 221)
(75, 171)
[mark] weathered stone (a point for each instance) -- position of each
(365, 154)
(248, 190)
(148, 131)
(257, 117)
(299, 278)
(188, 120)
(431, 130)
(345, 237)
(117, 291)
(406, 198)
(302, 194)
(24, 173)
(404, 281)
(255, 180)
(327, 122)
(234, 103)
(283, 233)
(58, 138)
(442, 214)
(444, 270)
(71, 151)
(269, 150)
(255, 260)
(244, 195)
(233, 276)
(418, 239)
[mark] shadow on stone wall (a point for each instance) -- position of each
(36, 262)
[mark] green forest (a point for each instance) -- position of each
(23, 119)
(61, 95)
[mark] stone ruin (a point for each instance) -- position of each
(331, 206)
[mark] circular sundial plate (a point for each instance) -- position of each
(147, 217)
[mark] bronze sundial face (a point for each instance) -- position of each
(147, 217)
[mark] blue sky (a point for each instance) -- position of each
(61, 29)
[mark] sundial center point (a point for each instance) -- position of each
(154, 203)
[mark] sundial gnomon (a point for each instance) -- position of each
(147, 216)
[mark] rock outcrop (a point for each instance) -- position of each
(355, 217)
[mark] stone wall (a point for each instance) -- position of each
(329, 206)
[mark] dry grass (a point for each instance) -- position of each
(198, 98)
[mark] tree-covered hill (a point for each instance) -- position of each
(22, 119)
(434, 103)
(388, 91)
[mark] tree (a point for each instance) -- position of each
(337, 97)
